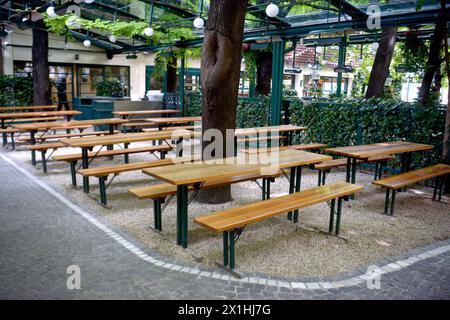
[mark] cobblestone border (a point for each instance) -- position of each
(214, 274)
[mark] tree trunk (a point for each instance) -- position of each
(263, 73)
(433, 62)
(171, 76)
(41, 82)
(380, 68)
(221, 63)
(437, 81)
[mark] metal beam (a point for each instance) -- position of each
(349, 9)
(277, 82)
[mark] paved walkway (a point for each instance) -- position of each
(42, 233)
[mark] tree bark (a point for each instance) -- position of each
(171, 76)
(263, 73)
(433, 62)
(221, 62)
(41, 82)
(381, 64)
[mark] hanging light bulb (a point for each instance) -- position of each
(375, 45)
(148, 31)
(51, 11)
(88, 1)
(87, 43)
(112, 38)
(272, 10)
(199, 23)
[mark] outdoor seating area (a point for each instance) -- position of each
(180, 133)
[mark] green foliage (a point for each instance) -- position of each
(353, 122)
(163, 57)
(250, 65)
(16, 91)
(110, 88)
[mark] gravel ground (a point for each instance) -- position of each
(275, 246)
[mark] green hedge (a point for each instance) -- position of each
(370, 121)
(16, 91)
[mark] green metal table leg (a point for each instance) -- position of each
(333, 205)
(33, 152)
(298, 184)
(348, 169)
(338, 215)
(268, 188)
(85, 165)
(386, 202)
(324, 176)
(182, 199)
(354, 164)
(291, 187)
(13, 143)
(126, 156)
(157, 214)
(225, 249)
(5, 137)
(73, 173)
(102, 186)
(376, 170)
(441, 186)
(264, 184)
(392, 202)
(232, 251)
(44, 161)
(319, 182)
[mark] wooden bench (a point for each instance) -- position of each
(159, 192)
(10, 131)
(68, 135)
(301, 147)
(43, 148)
(173, 128)
(326, 166)
(72, 159)
(396, 182)
(21, 120)
(102, 173)
(232, 222)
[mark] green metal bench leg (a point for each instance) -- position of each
(436, 187)
(268, 188)
(33, 152)
(232, 251)
(225, 249)
(291, 188)
(264, 187)
(157, 214)
(354, 163)
(338, 215)
(44, 161)
(324, 176)
(375, 177)
(102, 186)
(386, 202)
(13, 143)
(392, 202)
(348, 169)
(73, 173)
(319, 181)
(333, 205)
(298, 184)
(182, 220)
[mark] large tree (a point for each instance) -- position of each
(221, 62)
(381, 64)
(41, 83)
(263, 73)
(171, 76)
(434, 61)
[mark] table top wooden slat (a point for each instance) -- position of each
(128, 138)
(9, 115)
(28, 108)
(185, 174)
(370, 150)
(144, 112)
(173, 120)
(68, 124)
(264, 130)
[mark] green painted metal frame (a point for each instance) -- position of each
(277, 82)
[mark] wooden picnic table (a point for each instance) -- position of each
(28, 108)
(130, 114)
(287, 130)
(355, 153)
(162, 122)
(33, 128)
(198, 173)
(15, 115)
(89, 143)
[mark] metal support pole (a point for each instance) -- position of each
(181, 85)
(291, 187)
(341, 62)
(298, 183)
(277, 82)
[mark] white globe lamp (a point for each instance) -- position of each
(88, 1)
(51, 12)
(112, 38)
(87, 43)
(148, 31)
(375, 45)
(272, 10)
(199, 23)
